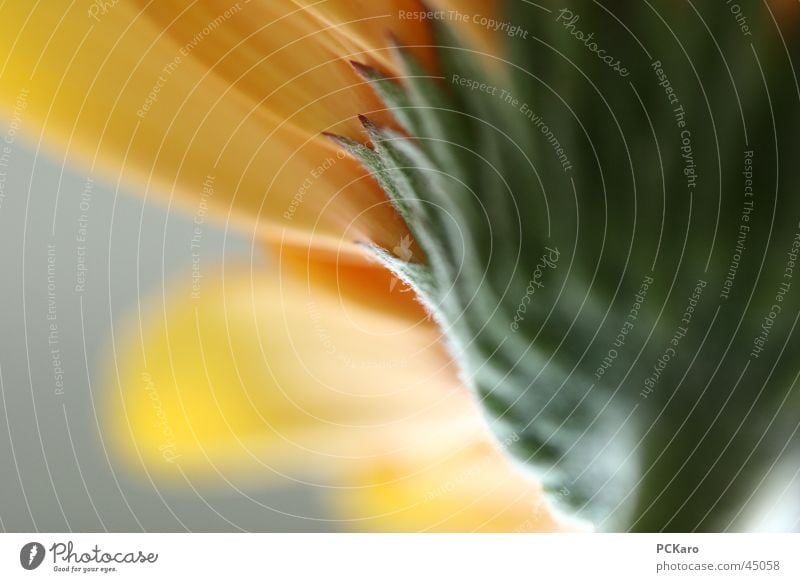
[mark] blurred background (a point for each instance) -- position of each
(77, 255)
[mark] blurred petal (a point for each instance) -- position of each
(468, 486)
(369, 286)
(369, 23)
(260, 373)
(786, 8)
(171, 96)
(292, 59)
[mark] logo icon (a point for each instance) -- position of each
(404, 253)
(31, 555)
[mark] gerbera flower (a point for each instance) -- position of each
(509, 247)
(314, 367)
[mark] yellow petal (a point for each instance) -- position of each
(172, 97)
(260, 373)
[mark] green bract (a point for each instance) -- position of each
(610, 227)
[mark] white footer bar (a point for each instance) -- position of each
(400, 557)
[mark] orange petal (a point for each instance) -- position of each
(371, 287)
(469, 486)
(291, 59)
(370, 23)
(173, 97)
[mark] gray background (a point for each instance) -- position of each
(54, 472)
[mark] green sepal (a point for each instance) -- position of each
(689, 453)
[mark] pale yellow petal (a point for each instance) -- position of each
(262, 373)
